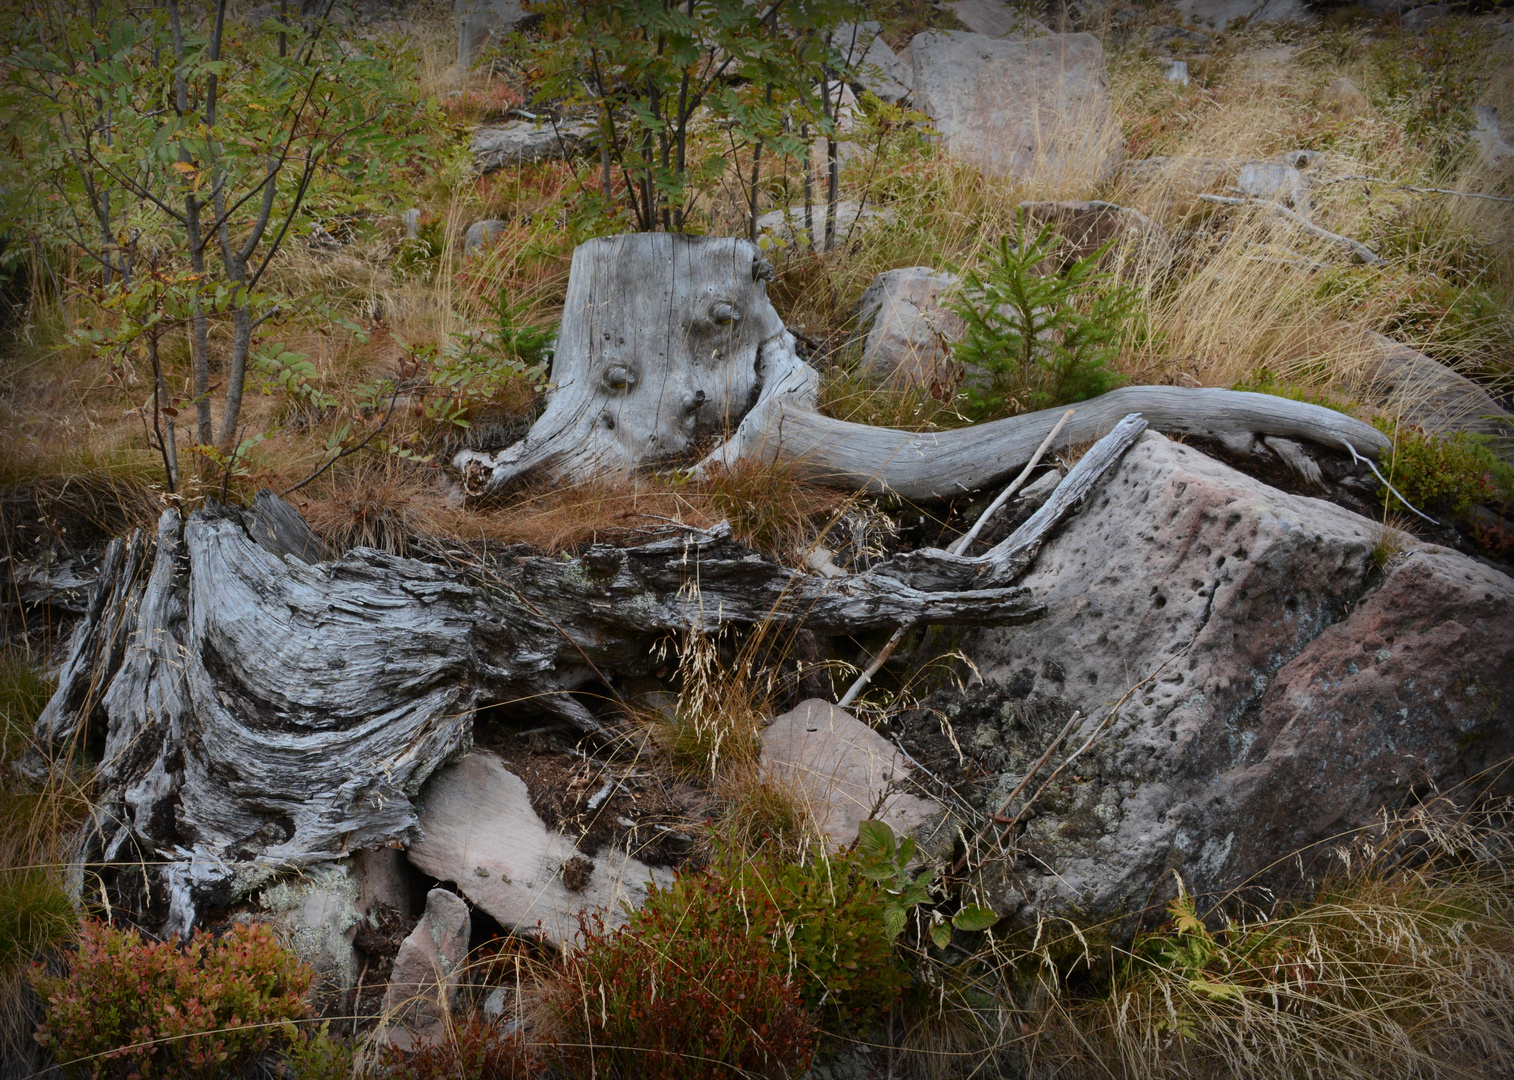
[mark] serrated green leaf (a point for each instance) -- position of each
(974, 917)
(941, 934)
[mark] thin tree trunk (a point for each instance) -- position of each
(162, 413)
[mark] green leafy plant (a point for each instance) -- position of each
(1447, 474)
(173, 155)
(1037, 339)
(134, 1009)
(885, 859)
(657, 74)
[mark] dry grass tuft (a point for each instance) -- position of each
(1402, 965)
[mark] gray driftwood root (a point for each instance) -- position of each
(262, 711)
(669, 340)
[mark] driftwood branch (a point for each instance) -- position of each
(668, 341)
(1360, 251)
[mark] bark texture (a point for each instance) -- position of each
(263, 711)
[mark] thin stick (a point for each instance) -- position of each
(1367, 462)
(956, 549)
(961, 546)
(872, 669)
(1417, 190)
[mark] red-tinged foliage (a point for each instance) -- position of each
(475, 1049)
(134, 1009)
(663, 1000)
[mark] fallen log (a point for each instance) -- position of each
(668, 341)
(263, 711)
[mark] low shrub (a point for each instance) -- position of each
(474, 1049)
(1446, 474)
(136, 1009)
(824, 920)
(674, 996)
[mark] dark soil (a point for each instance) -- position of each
(655, 819)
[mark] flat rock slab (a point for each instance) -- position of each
(1428, 394)
(1034, 110)
(995, 18)
(1289, 688)
(481, 833)
(520, 142)
(843, 770)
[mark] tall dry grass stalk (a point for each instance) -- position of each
(39, 882)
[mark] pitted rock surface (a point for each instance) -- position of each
(1286, 688)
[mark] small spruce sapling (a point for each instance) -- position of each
(1035, 340)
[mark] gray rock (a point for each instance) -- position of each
(844, 772)
(481, 833)
(1426, 393)
(317, 916)
(383, 879)
(483, 22)
(519, 142)
(1221, 13)
(880, 72)
(1422, 18)
(481, 236)
(1492, 147)
(909, 330)
(1035, 109)
(1287, 689)
(1169, 37)
(1276, 181)
(429, 967)
(412, 222)
(1175, 71)
(996, 19)
(783, 231)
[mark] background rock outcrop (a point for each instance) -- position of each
(1031, 109)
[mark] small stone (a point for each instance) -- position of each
(482, 235)
(429, 965)
(1175, 71)
(576, 873)
(844, 771)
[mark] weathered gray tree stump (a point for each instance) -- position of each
(669, 341)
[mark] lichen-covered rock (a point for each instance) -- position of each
(1270, 686)
(1031, 109)
(481, 833)
(317, 917)
(520, 142)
